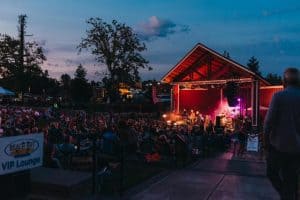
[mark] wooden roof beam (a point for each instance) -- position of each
(222, 70)
(209, 67)
(199, 73)
(192, 68)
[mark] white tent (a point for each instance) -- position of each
(6, 92)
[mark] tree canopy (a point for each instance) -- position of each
(20, 74)
(80, 88)
(226, 54)
(253, 65)
(274, 79)
(118, 47)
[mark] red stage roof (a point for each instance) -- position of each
(203, 64)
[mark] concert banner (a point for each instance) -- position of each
(23, 152)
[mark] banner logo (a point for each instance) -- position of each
(21, 147)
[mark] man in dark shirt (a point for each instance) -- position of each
(55, 135)
(242, 136)
(282, 136)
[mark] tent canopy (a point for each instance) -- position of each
(6, 92)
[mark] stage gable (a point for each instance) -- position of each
(205, 64)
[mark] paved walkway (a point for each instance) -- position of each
(221, 178)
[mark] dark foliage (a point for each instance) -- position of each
(20, 64)
(253, 65)
(226, 54)
(80, 89)
(118, 47)
(274, 79)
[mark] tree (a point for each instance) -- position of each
(274, 79)
(226, 54)
(65, 82)
(80, 89)
(118, 47)
(253, 65)
(43, 85)
(19, 61)
(80, 73)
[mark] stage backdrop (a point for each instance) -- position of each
(206, 101)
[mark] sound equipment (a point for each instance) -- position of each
(231, 91)
(218, 121)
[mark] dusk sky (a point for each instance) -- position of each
(268, 30)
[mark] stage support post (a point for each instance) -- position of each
(175, 98)
(255, 103)
(172, 101)
(221, 97)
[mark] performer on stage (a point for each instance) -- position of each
(192, 117)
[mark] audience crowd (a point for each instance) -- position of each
(71, 133)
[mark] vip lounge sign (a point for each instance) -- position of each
(22, 152)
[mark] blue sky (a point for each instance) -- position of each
(268, 30)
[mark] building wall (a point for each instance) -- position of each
(266, 94)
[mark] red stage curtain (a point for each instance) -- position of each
(206, 101)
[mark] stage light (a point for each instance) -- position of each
(239, 99)
(164, 115)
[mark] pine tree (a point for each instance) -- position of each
(253, 65)
(274, 79)
(81, 90)
(226, 54)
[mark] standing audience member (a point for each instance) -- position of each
(242, 137)
(282, 136)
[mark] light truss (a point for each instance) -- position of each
(214, 82)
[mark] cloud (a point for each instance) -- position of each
(273, 56)
(69, 47)
(52, 65)
(42, 42)
(84, 60)
(276, 39)
(164, 57)
(267, 13)
(159, 28)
